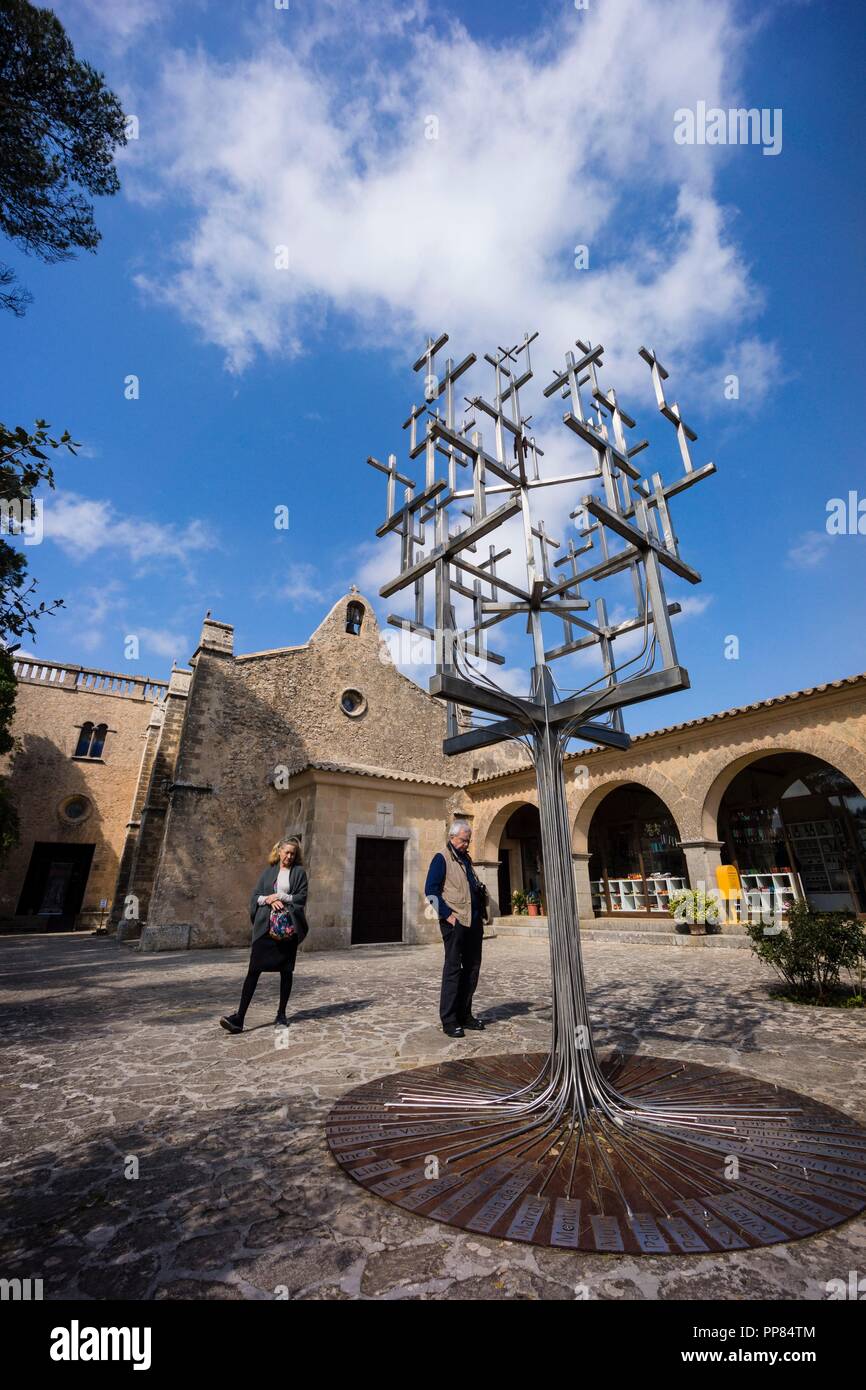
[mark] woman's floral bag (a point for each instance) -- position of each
(281, 926)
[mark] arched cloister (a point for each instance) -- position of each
(488, 836)
(633, 860)
(509, 850)
(650, 779)
(718, 770)
(794, 827)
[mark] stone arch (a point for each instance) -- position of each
(487, 842)
(355, 611)
(718, 771)
(654, 781)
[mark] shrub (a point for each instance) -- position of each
(518, 902)
(811, 949)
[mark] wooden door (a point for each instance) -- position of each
(377, 904)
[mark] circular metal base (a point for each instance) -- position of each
(718, 1176)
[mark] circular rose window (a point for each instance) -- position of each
(76, 808)
(352, 702)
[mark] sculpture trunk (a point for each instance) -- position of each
(573, 1061)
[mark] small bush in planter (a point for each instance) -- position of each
(533, 902)
(811, 949)
(692, 907)
(518, 902)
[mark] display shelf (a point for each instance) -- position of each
(774, 892)
(636, 894)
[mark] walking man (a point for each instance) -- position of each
(458, 896)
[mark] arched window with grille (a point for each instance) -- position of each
(354, 617)
(82, 748)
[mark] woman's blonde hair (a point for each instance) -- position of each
(274, 856)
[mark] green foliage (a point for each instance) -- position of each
(811, 949)
(518, 902)
(59, 128)
(534, 897)
(23, 465)
(692, 906)
(23, 460)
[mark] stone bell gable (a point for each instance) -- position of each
(337, 697)
(394, 724)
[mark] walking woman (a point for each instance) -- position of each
(279, 927)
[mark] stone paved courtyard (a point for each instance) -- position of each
(109, 1056)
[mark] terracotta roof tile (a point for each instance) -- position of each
(361, 770)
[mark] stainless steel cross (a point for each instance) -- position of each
(628, 528)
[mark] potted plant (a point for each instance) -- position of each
(533, 902)
(695, 912)
(518, 903)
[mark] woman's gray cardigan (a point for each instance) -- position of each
(260, 914)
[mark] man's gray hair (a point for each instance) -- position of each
(457, 826)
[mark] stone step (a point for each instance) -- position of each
(641, 935)
(717, 940)
(656, 929)
(527, 928)
(654, 924)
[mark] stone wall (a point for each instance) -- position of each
(52, 704)
(340, 807)
(254, 724)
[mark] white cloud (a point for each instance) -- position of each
(377, 562)
(118, 23)
(163, 642)
(758, 368)
(694, 605)
(83, 526)
(84, 617)
(810, 550)
(302, 585)
(92, 611)
(541, 145)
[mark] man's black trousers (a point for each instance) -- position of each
(460, 971)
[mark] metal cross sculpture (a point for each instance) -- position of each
(569, 1149)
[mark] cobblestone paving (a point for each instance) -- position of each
(113, 1060)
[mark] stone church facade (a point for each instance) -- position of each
(149, 807)
(197, 777)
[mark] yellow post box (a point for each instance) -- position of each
(728, 880)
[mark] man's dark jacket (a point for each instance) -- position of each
(260, 915)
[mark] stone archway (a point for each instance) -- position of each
(503, 856)
(666, 790)
(633, 858)
(794, 826)
(723, 769)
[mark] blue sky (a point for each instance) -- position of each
(261, 387)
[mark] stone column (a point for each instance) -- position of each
(580, 862)
(703, 857)
(129, 928)
(132, 909)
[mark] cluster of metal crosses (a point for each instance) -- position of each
(632, 1153)
(627, 528)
